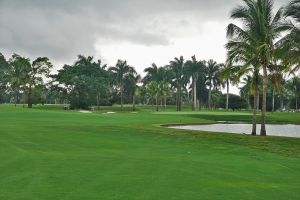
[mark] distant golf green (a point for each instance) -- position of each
(48, 153)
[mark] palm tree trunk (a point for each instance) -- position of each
(156, 101)
(209, 97)
(281, 103)
(133, 102)
(258, 99)
(177, 98)
(165, 103)
(273, 100)
(254, 118)
(195, 94)
(263, 131)
(296, 103)
(122, 97)
(29, 96)
(227, 95)
(152, 102)
(16, 98)
(98, 101)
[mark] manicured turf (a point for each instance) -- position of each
(55, 154)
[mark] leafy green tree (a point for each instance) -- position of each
(236, 102)
(84, 81)
(3, 76)
(38, 69)
(19, 68)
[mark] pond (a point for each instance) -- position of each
(286, 130)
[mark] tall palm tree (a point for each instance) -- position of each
(294, 85)
(165, 79)
(160, 75)
(192, 69)
(177, 66)
(242, 49)
(133, 77)
(229, 74)
(152, 89)
(211, 78)
(120, 71)
(276, 78)
(260, 29)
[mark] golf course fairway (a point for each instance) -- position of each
(68, 155)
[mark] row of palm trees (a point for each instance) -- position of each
(266, 43)
(177, 75)
(160, 81)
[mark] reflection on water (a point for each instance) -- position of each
(287, 130)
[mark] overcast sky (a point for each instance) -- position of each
(140, 31)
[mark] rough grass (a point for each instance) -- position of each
(56, 154)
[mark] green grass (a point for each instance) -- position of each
(47, 153)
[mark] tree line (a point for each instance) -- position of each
(262, 56)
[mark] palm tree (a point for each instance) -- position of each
(276, 79)
(157, 74)
(247, 89)
(229, 74)
(177, 66)
(290, 44)
(163, 92)
(152, 89)
(165, 79)
(294, 84)
(152, 73)
(261, 29)
(242, 49)
(133, 78)
(211, 78)
(120, 71)
(192, 69)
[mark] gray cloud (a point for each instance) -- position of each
(61, 29)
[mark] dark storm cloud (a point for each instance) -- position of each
(62, 29)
